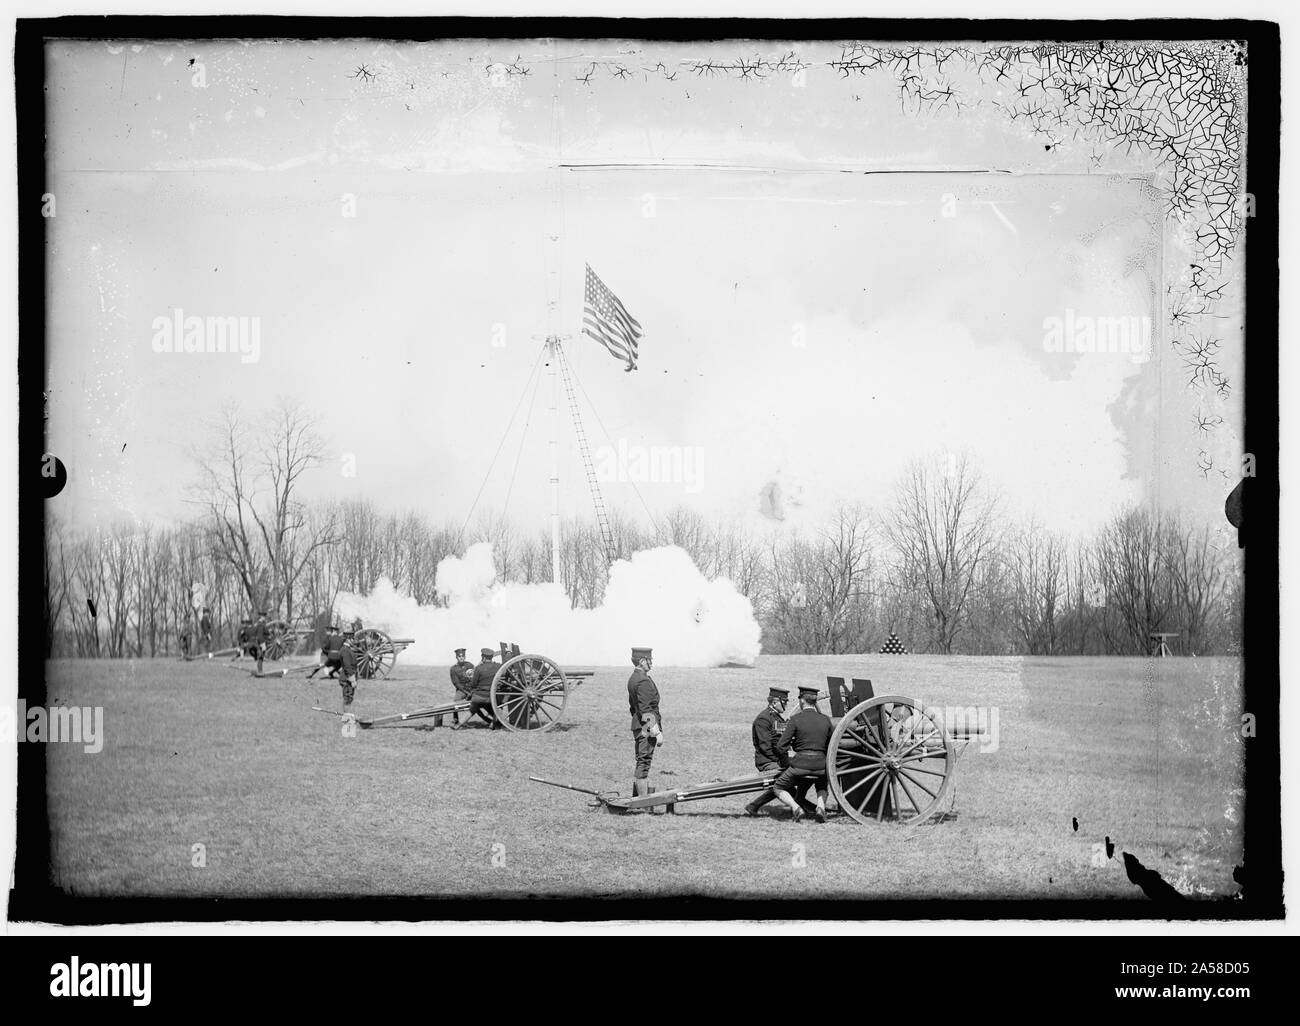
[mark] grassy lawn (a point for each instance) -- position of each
(1145, 752)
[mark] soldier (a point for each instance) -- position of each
(765, 733)
(357, 625)
(258, 638)
(205, 629)
(187, 638)
(331, 652)
(480, 698)
(244, 638)
(347, 669)
(808, 732)
(462, 682)
(647, 724)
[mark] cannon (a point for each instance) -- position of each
(529, 692)
(889, 758)
(376, 652)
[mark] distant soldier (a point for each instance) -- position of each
(808, 733)
(462, 683)
(205, 629)
(187, 640)
(331, 652)
(647, 724)
(480, 698)
(765, 734)
(244, 639)
(357, 626)
(258, 637)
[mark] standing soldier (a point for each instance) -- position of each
(257, 638)
(462, 682)
(647, 724)
(187, 639)
(331, 652)
(244, 638)
(480, 698)
(347, 669)
(808, 732)
(205, 629)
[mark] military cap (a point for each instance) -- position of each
(487, 653)
(460, 651)
(247, 619)
(262, 613)
(640, 653)
(333, 627)
(807, 692)
(782, 693)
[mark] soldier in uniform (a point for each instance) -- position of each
(331, 652)
(647, 724)
(244, 639)
(258, 638)
(187, 639)
(808, 733)
(462, 682)
(480, 698)
(347, 669)
(765, 733)
(205, 628)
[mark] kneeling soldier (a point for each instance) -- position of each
(462, 683)
(480, 698)
(808, 732)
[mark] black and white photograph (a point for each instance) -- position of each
(631, 469)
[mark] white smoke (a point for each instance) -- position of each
(657, 599)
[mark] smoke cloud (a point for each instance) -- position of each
(658, 599)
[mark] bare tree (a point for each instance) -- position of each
(249, 489)
(941, 528)
(1035, 558)
(1130, 563)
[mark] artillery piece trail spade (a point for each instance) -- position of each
(889, 758)
(529, 692)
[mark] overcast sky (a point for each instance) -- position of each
(803, 325)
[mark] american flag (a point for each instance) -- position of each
(605, 318)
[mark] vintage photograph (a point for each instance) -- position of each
(581, 468)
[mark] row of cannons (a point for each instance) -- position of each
(375, 650)
(890, 758)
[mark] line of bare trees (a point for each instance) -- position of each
(940, 564)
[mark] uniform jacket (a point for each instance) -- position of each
(481, 682)
(462, 675)
(808, 732)
(766, 733)
(257, 634)
(642, 698)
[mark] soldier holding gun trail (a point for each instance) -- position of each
(462, 682)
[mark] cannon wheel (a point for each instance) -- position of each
(890, 758)
(375, 653)
(529, 692)
(278, 639)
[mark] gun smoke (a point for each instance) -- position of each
(658, 598)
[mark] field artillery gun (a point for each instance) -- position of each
(377, 652)
(529, 692)
(889, 758)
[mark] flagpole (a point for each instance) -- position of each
(552, 345)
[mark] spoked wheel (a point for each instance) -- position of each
(375, 653)
(278, 639)
(529, 692)
(890, 758)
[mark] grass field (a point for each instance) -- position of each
(1145, 752)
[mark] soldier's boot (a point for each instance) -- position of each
(640, 787)
(767, 796)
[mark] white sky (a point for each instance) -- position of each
(803, 325)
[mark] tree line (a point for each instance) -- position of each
(940, 564)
